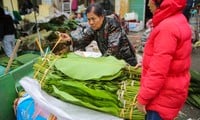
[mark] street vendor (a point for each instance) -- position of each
(7, 32)
(107, 32)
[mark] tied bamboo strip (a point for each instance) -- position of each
(129, 70)
(120, 96)
(43, 63)
(40, 46)
(132, 107)
(127, 107)
(46, 56)
(58, 41)
(122, 113)
(46, 72)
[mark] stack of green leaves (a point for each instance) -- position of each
(18, 61)
(57, 24)
(194, 89)
(4, 62)
(105, 84)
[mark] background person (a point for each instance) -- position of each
(109, 35)
(187, 10)
(79, 17)
(166, 62)
(26, 7)
(7, 32)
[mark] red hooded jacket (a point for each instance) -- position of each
(166, 61)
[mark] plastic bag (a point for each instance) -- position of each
(62, 110)
(32, 87)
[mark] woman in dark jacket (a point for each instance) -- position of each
(108, 34)
(7, 32)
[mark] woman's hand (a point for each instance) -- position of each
(141, 108)
(65, 37)
(138, 65)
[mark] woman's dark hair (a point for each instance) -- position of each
(158, 2)
(98, 10)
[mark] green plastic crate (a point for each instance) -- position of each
(7, 95)
(8, 92)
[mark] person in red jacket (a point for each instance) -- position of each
(166, 62)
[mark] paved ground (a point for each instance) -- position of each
(188, 112)
(196, 59)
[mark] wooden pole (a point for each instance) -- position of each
(12, 56)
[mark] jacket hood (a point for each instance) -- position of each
(167, 9)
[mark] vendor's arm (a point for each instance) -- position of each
(85, 40)
(114, 36)
(82, 42)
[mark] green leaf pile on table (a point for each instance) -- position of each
(105, 84)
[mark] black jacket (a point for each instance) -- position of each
(111, 40)
(6, 26)
(1, 30)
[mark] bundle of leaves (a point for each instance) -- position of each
(194, 90)
(105, 84)
(59, 24)
(58, 20)
(18, 61)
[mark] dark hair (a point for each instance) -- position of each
(2, 11)
(98, 10)
(158, 2)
